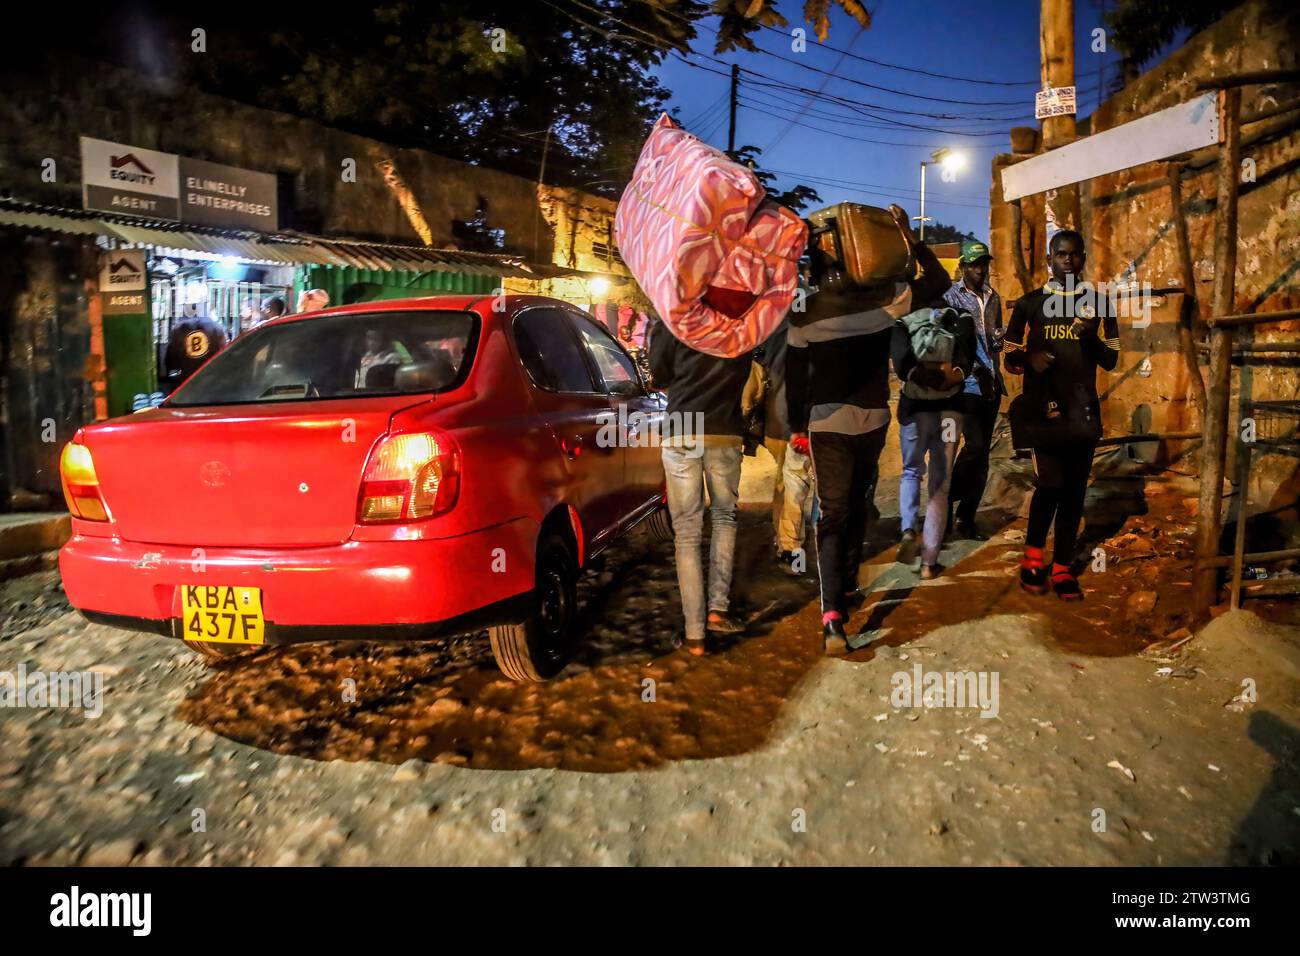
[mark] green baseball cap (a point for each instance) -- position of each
(973, 251)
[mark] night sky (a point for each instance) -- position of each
(995, 40)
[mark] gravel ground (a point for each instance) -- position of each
(762, 753)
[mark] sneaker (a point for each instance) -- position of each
(1033, 578)
(1066, 585)
(834, 640)
(966, 531)
(931, 571)
(720, 622)
(907, 547)
(694, 646)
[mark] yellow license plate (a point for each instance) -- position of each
(220, 614)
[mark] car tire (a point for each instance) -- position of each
(540, 647)
(213, 653)
(660, 526)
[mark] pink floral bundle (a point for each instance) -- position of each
(718, 260)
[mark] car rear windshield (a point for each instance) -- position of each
(342, 356)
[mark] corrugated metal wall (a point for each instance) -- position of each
(348, 284)
(46, 396)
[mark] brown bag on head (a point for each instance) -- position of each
(867, 245)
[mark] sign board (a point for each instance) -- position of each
(141, 182)
(122, 271)
(216, 195)
(124, 303)
(126, 179)
(1057, 101)
(1171, 131)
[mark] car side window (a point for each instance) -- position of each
(615, 365)
(551, 353)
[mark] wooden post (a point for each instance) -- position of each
(1056, 49)
(1187, 320)
(1018, 250)
(1209, 520)
(1239, 539)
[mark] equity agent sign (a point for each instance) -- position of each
(122, 282)
(126, 179)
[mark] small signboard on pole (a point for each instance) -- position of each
(1054, 101)
(122, 271)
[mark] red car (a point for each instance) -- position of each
(403, 469)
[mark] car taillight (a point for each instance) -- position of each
(80, 484)
(410, 477)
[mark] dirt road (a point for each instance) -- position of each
(762, 753)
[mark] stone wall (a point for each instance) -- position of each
(45, 111)
(1128, 223)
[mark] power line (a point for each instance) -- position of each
(876, 122)
(867, 59)
(875, 142)
(692, 122)
(883, 188)
(804, 66)
(809, 101)
(657, 45)
(789, 97)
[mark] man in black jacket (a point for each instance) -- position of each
(701, 448)
(837, 393)
(1057, 338)
(193, 341)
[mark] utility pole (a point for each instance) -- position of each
(735, 89)
(1056, 46)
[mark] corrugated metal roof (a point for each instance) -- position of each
(277, 249)
(46, 222)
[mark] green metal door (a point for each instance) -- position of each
(346, 284)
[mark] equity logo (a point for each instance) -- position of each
(123, 271)
(141, 174)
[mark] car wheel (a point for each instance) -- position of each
(660, 525)
(212, 653)
(538, 649)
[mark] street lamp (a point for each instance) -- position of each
(948, 159)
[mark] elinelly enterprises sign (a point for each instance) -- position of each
(127, 179)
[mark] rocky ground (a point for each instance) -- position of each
(1119, 736)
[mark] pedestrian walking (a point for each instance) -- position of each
(932, 349)
(793, 482)
(983, 389)
(1057, 338)
(701, 450)
(837, 394)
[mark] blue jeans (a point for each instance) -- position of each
(689, 472)
(921, 436)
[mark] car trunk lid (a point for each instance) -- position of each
(283, 474)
